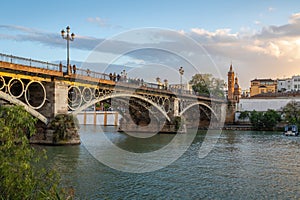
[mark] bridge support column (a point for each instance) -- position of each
(176, 107)
(62, 128)
(57, 99)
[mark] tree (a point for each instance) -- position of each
(244, 115)
(207, 84)
(256, 120)
(20, 175)
(271, 119)
(264, 120)
(291, 113)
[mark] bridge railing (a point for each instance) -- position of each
(87, 72)
(28, 62)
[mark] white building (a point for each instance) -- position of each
(284, 85)
(296, 83)
(263, 104)
(289, 84)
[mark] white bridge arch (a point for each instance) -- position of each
(198, 103)
(115, 95)
(15, 101)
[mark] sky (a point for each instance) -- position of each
(154, 38)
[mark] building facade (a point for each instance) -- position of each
(233, 95)
(233, 90)
(261, 86)
(284, 85)
(289, 84)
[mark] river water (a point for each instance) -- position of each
(242, 165)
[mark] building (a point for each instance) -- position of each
(295, 83)
(284, 85)
(289, 84)
(184, 86)
(233, 96)
(230, 85)
(234, 90)
(261, 86)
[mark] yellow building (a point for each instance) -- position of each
(261, 86)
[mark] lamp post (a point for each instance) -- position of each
(69, 38)
(181, 71)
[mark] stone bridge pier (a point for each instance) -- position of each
(59, 129)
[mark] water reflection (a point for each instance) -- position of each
(250, 165)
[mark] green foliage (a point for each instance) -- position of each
(264, 120)
(244, 115)
(291, 113)
(177, 122)
(207, 84)
(106, 105)
(20, 176)
(63, 124)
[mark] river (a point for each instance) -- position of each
(241, 165)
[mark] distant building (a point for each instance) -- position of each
(234, 90)
(284, 85)
(295, 83)
(289, 84)
(233, 96)
(260, 86)
(245, 93)
(185, 87)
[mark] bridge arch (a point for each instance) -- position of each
(102, 98)
(198, 103)
(15, 101)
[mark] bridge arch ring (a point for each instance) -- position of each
(11, 84)
(74, 100)
(26, 96)
(2, 80)
(87, 94)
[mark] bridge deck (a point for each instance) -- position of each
(28, 67)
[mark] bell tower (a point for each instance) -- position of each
(230, 94)
(237, 91)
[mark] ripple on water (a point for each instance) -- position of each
(248, 165)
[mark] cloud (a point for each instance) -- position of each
(21, 34)
(99, 21)
(103, 23)
(257, 53)
(271, 9)
(274, 41)
(257, 22)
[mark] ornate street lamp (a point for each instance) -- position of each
(181, 71)
(69, 38)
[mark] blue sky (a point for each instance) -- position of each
(259, 37)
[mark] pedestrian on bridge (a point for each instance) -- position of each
(60, 67)
(74, 69)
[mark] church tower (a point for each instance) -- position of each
(233, 96)
(237, 91)
(230, 84)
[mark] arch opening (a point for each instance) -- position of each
(35, 95)
(15, 88)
